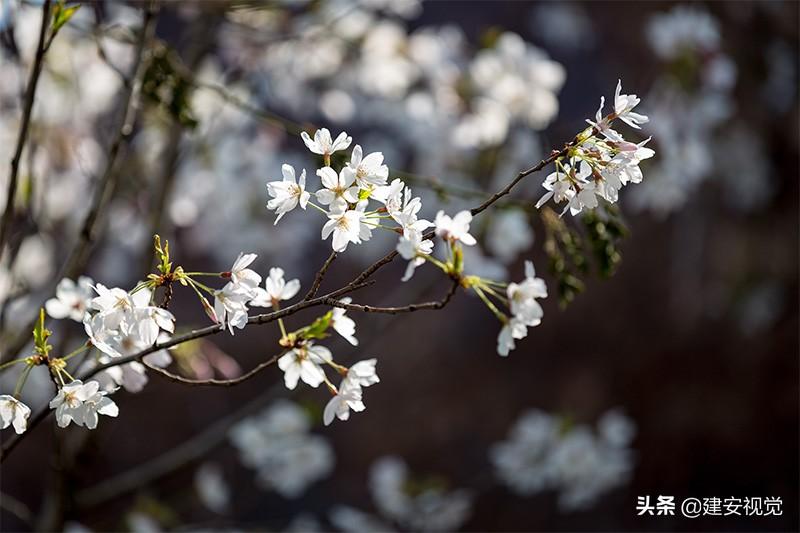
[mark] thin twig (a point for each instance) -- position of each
(215, 382)
(318, 279)
(438, 304)
(30, 97)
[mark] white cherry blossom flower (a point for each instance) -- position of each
(513, 329)
(151, 320)
(522, 297)
(97, 404)
(363, 373)
(303, 363)
(277, 289)
(391, 196)
(72, 299)
(411, 246)
(344, 325)
(456, 228)
(81, 403)
(14, 412)
(230, 306)
(347, 226)
(322, 143)
(243, 276)
(116, 305)
(288, 193)
(369, 171)
(339, 190)
(623, 108)
(347, 397)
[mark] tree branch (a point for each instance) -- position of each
(30, 96)
(215, 382)
(438, 304)
(318, 279)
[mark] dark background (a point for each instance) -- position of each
(715, 404)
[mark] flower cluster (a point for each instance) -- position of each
(278, 444)
(545, 452)
(82, 403)
(419, 505)
(598, 167)
(346, 194)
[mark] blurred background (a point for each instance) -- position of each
(667, 361)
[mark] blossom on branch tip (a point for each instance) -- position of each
(346, 398)
(623, 108)
(322, 143)
(456, 228)
(14, 412)
(288, 193)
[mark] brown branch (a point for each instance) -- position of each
(214, 382)
(318, 279)
(76, 261)
(30, 96)
(435, 305)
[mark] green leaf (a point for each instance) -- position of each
(317, 329)
(62, 14)
(40, 336)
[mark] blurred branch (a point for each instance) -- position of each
(435, 305)
(76, 261)
(190, 450)
(215, 382)
(16, 507)
(27, 112)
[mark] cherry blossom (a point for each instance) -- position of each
(288, 193)
(277, 289)
(369, 171)
(322, 143)
(346, 398)
(72, 299)
(243, 276)
(342, 324)
(338, 190)
(14, 412)
(456, 228)
(412, 247)
(303, 363)
(346, 226)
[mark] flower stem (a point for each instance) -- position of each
(82, 349)
(500, 316)
(9, 363)
(21, 381)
